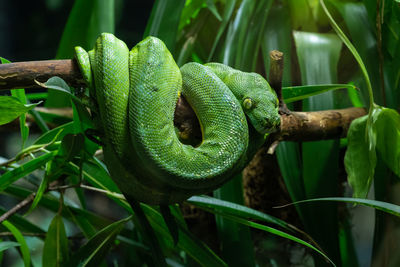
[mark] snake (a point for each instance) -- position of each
(136, 92)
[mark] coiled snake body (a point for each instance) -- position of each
(136, 92)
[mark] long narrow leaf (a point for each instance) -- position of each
(234, 209)
(295, 93)
(318, 56)
(13, 175)
(187, 241)
(95, 250)
(55, 250)
(4, 245)
(379, 205)
(164, 21)
(353, 50)
(21, 240)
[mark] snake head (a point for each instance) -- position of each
(261, 107)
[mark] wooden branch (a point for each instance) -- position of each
(17, 207)
(317, 125)
(295, 126)
(23, 74)
(276, 72)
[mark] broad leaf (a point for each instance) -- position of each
(59, 85)
(387, 128)
(359, 166)
(20, 94)
(11, 108)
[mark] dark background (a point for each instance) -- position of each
(31, 30)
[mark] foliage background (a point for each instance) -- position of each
(32, 31)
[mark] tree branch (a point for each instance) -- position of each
(23, 74)
(295, 126)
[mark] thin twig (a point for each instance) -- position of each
(24, 234)
(17, 207)
(276, 77)
(29, 199)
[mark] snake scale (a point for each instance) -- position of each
(136, 92)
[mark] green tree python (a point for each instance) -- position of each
(136, 93)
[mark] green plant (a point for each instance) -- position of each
(60, 170)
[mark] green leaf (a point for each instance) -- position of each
(379, 205)
(236, 33)
(95, 172)
(170, 222)
(37, 96)
(95, 250)
(294, 93)
(281, 234)
(164, 21)
(58, 84)
(354, 51)
(358, 163)
(302, 15)
(227, 13)
(387, 128)
(58, 132)
(55, 250)
(355, 97)
(213, 9)
(20, 94)
(187, 241)
(318, 56)
(71, 145)
(26, 256)
(40, 191)
(11, 108)
(76, 30)
(252, 36)
(232, 209)
(4, 245)
(242, 214)
(235, 239)
(190, 12)
(82, 122)
(13, 175)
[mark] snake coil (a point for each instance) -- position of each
(136, 92)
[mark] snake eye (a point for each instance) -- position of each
(247, 103)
